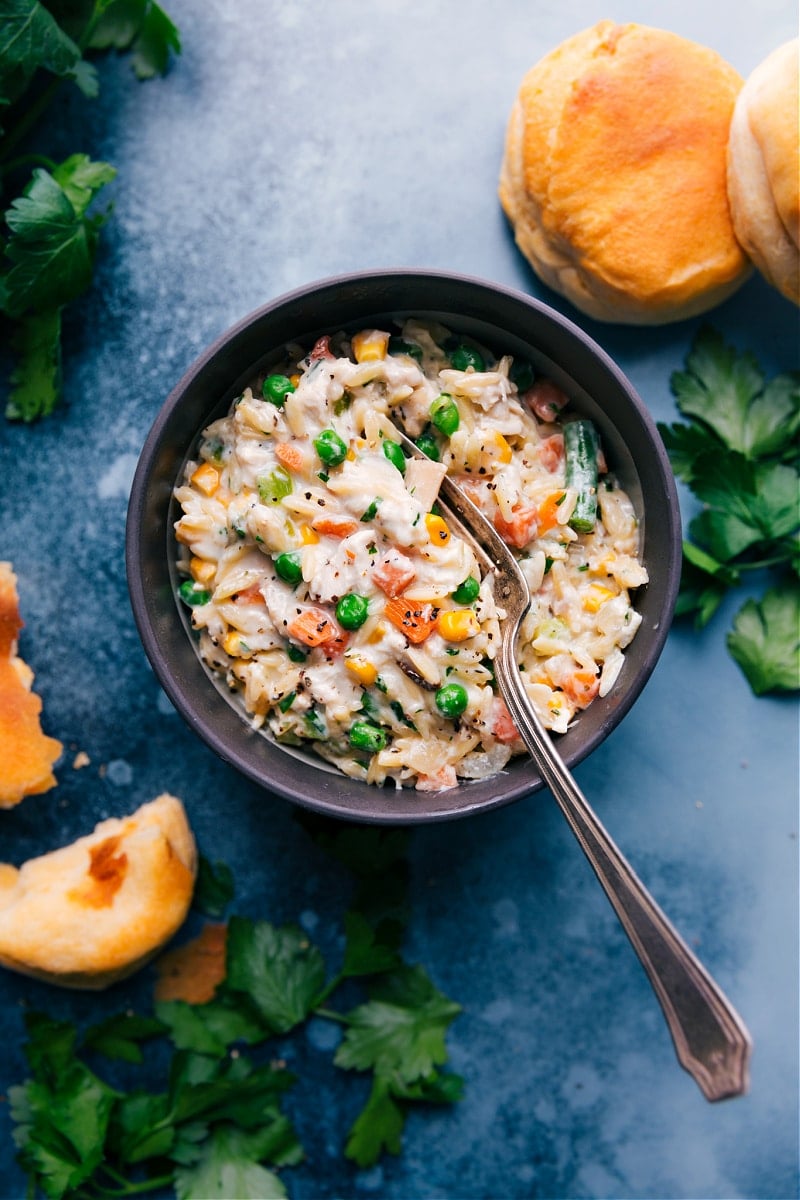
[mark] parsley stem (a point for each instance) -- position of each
(328, 990)
(132, 1189)
(40, 160)
(774, 561)
(330, 1014)
(43, 101)
(29, 119)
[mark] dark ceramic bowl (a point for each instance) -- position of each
(504, 321)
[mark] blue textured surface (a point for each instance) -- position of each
(289, 142)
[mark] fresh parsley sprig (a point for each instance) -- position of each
(50, 237)
(738, 453)
(216, 1127)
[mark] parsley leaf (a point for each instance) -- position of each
(62, 1115)
(704, 582)
(726, 391)
(142, 27)
(214, 888)
(369, 950)
(765, 641)
(211, 1028)
(747, 503)
(401, 1029)
(52, 241)
(120, 1036)
(738, 455)
(31, 38)
(226, 1164)
(279, 969)
(378, 1127)
(36, 378)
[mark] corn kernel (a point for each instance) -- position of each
(437, 529)
(458, 624)
(376, 634)
(351, 455)
(233, 645)
(503, 449)
(308, 536)
(596, 597)
(295, 379)
(202, 570)
(370, 345)
(365, 672)
(206, 478)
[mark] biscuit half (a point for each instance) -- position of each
(91, 913)
(764, 169)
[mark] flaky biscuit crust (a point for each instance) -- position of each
(614, 174)
(764, 169)
(27, 754)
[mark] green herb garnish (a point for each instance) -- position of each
(50, 236)
(205, 1118)
(737, 451)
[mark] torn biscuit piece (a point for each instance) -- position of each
(93, 912)
(27, 754)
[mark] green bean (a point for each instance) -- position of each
(581, 447)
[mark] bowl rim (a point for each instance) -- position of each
(324, 799)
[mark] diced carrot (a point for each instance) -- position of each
(548, 511)
(393, 574)
(290, 456)
(445, 777)
(503, 727)
(520, 529)
(336, 526)
(251, 595)
(582, 687)
(416, 620)
(551, 452)
(545, 399)
(315, 627)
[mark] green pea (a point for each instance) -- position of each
(276, 388)
(273, 487)
(522, 374)
(330, 447)
(451, 700)
(295, 654)
(467, 591)
(352, 611)
(366, 736)
(398, 345)
(444, 414)
(192, 593)
(464, 357)
(394, 453)
(288, 567)
(426, 442)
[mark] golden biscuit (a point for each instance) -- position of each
(90, 913)
(764, 169)
(26, 754)
(614, 174)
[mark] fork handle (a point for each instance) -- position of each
(711, 1041)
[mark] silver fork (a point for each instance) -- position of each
(710, 1038)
